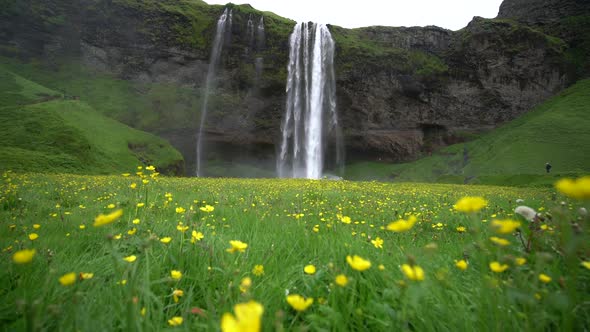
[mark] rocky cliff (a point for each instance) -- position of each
(402, 92)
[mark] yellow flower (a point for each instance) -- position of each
(413, 272)
(130, 259)
(111, 206)
(140, 205)
(381, 267)
(544, 278)
(461, 229)
(461, 265)
(237, 246)
(258, 270)
(470, 204)
(499, 241)
(309, 269)
(586, 264)
(344, 219)
(166, 240)
(136, 221)
(102, 219)
(298, 302)
(175, 321)
(378, 243)
(176, 294)
(245, 284)
(196, 236)
(133, 185)
(247, 318)
(36, 226)
(497, 267)
(520, 261)
(358, 263)
(181, 227)
(578, 188)
(402, 225)
(207, 208)
(180, 209)
(68, 279)
(175, 274)
(506, 226)
(33, 236)
(132, 231)
(86, 275)
(341, 280)
(23, 256)
(150, 168)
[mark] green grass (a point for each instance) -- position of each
(41, 131)
(555, 131)
(287, 225)
(148, 107)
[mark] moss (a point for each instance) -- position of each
(426, 64)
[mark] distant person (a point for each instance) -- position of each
(548, 167)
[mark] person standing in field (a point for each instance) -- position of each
(548, 167)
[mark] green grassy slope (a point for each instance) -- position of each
(40, 130)
(143, 106)
(556, 131)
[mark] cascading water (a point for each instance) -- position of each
(223, 26)
(260, 35)
(260, 43)
(310, 119)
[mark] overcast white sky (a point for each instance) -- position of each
(450, 14)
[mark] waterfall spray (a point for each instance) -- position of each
(218, 42)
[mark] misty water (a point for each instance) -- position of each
(223, 25)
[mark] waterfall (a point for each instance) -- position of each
(250, 34)
(260, 35)
(310, 122)
(260, 44)
(223, 27)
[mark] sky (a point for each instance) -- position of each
(449, 14)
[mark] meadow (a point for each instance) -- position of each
(142, 252)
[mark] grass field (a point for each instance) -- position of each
(167, 263)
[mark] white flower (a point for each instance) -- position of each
(520, 201)
(583, 212)
(526, 212)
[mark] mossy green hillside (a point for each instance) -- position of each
(146, 106)
(555, 131)
(42, 131)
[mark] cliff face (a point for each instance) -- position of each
(401, 91)
(469, 80)
(538, 12)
